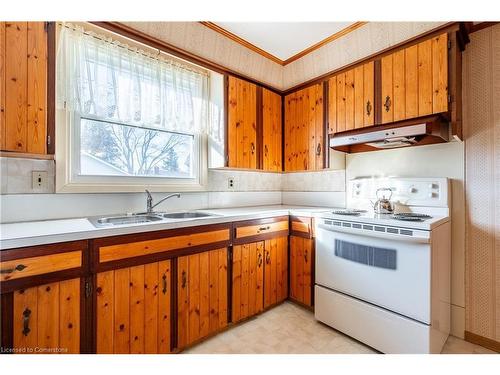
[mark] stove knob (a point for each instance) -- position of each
(412, 190)
(433, 186)
(433, 195)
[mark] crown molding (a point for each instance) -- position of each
(271, 57)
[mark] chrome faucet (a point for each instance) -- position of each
(149, 201)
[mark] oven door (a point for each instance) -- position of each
(388, 272)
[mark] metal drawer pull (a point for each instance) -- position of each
(259, 260)
(368, 108)
(264, 228)
(164, 281)
(19, 267)
(26, 321)
(268, 258)
(184, 279)
(387, 103)
(318, 149)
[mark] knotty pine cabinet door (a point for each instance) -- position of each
(301, 269)
(23, 92)
(242, 124)
(271, 131)
(414, 81)
(275, 271)
(351, 99)
(202, 286)
(247, 280)
(133, 309)
(46, 318)
(304, 148)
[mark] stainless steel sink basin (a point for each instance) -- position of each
(139, 218)
(185, 215)
(124, 220)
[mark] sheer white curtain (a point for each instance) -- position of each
(104, 78)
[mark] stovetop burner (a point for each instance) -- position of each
(410, 216)
(352, 212)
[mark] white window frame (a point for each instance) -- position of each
(67, 157)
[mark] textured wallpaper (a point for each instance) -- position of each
(482, 182)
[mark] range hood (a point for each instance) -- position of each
(426, 130)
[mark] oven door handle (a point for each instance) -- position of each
(419, 236)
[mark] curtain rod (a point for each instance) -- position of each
(160, 54)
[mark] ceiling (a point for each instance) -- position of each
(283, 41)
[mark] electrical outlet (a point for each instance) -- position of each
(39, 179)
(230, 183)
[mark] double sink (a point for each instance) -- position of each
(139, 218)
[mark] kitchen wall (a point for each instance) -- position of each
(204, 42)
(356, 45)
(21, 202)
(481, 90)
(441, 160)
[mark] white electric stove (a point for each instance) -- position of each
(385, 279)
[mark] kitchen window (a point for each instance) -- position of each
(130, 117)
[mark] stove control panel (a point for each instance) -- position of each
(431, 192)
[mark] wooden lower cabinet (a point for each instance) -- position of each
(301, 269)
(260, 276)
(202, 295)
(46, 318)
(275, 271)
(248, 280)
(133, 309)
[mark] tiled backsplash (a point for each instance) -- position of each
(16, 175)
(16, 178)
(20, 202)
(327, 180)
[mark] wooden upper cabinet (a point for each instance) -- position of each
(271, 131)
(304, 148)
(414, 81)
(23, 73)
(242, 124)
(350, 99)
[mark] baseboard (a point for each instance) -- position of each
(483, 341)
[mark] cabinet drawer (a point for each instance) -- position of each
(24, 267)
(260, 229)
(301, 224)
(140, 248)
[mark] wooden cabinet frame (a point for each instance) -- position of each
(9, 287)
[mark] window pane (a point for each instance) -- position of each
(109, 149)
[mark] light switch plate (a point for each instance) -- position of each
(39, 179)
(230, 183)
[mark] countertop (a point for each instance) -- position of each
(13, 235)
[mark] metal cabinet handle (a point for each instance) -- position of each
(268, 258)
(318, 149)
(264, 228)
(259, 260)
(368, 108)
(164, 282)
(252, 148)
(184, 279)
(265, 150)
(26, 321)
(19, 267)
(387, 103)
(305, 256)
